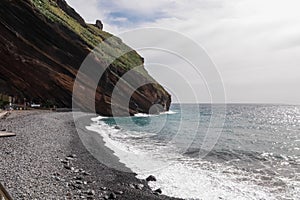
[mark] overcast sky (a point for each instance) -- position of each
(255, 44)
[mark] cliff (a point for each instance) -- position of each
(43, 44)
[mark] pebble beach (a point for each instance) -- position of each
(47, 160)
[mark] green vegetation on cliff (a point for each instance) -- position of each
(92, 35)
(43, 44)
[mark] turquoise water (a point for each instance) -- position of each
(202, 151)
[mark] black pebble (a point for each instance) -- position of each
(151, 178)
(112, 196)
(158, 191)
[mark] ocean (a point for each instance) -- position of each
(203, 151)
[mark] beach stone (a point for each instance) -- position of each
(119, 192)
(86, 173)
(69, 194)
(78, 178)
(8, 152)
(159, 191)
(56, 174)
(90, 192)
(64, 162)
(112, 196)
(150, 178)
(106, 197)
(156, 193)
(68, 167)
(78, 182)
(139, 186)
(117, 127)
(72, 156)
(69, 158)
(103, 188)
(76, 186)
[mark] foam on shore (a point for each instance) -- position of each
(188, 179)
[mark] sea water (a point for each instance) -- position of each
(203, 151)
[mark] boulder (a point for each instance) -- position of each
(99, 24)
(158, 191)
(151, 178)
(112, 196)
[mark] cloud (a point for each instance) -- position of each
(131, 19)
(89, 11)
(255, 43)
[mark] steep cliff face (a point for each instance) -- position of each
(44, 42)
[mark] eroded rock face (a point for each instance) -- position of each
(41, 54)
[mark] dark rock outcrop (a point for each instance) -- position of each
(158, 191)
(99, 24)
(150, 178)
(42, 45)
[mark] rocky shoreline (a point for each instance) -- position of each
(47, 160)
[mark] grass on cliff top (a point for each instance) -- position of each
(92, 36)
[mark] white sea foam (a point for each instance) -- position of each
(127, 153)
(143, 115)
(96, 119)
(185, 179)
(189, 182)
(170, 112)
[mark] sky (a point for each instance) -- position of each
(254, 44)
